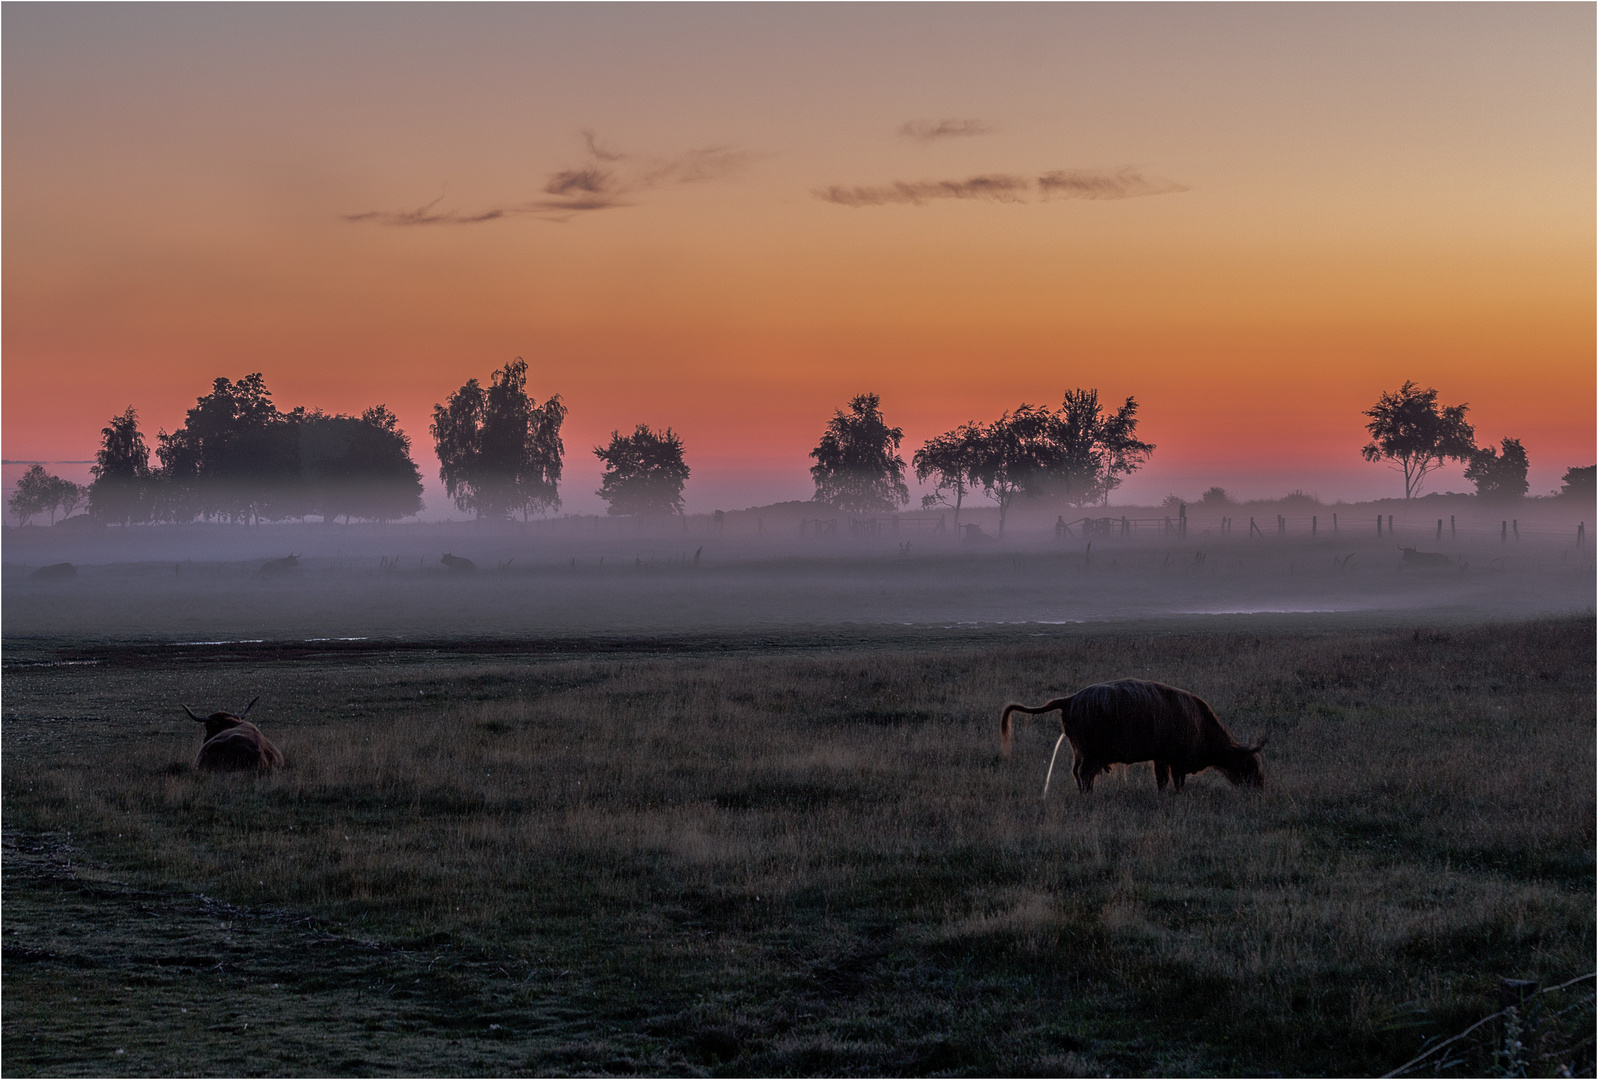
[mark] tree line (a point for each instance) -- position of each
(1415, 434)
(238, 458)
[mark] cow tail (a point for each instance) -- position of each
(1031, 710)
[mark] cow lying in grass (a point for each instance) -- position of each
(232, 744)
(1133, 720)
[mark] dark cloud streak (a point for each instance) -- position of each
(995, 188)
(600, 184)
(1125, 183)
(930, 130)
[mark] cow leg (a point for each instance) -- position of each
(1178, 778)
(1162, 774)
(1085, 772)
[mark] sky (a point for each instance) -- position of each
(729, 219)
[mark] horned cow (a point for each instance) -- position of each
(1132, 720)
(232, 744)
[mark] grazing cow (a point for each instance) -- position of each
(54, 572)
(1132, 720)
(1424, 558)
(457, 564)
(273, 567)
(234, 745)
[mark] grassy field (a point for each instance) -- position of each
(795, 856)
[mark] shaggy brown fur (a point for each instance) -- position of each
(233, 745)
(1133, 720)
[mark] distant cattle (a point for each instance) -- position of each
(55, 572)
(1132, 720)
(457, 564)
(1424, 558)
(232, 744)
(273, 567)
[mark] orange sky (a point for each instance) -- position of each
(1297, 208)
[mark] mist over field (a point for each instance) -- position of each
(794, 565)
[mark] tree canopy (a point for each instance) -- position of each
(952, 460)
(858, 468)
(499, 451)
(120, 492)
(359, 466)
(236, 457)
(1015, 453)
(39, 492)
(644, 472)
(1579, 482)
(1499, 476)
(1415, 435)
(1091, 448)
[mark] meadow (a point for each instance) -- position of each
(792, 854)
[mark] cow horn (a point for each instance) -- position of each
(190, 711)
(250, 706)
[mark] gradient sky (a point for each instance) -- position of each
(729, 219)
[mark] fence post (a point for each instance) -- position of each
(1516, 994)
(1334, 524)
(1503, 532)
(1390, 531)
(1281, 525)
(1439, 528)
(1126, 527)
(1314, 524)
(1182, 518)
(1452, 534)
(1581, 533)
(1378, 526)
(1253, 528)
(1515, 524)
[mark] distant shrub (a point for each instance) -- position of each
(1216, 496)
(1297, 497)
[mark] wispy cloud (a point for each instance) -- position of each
(425, 215)
(995, 188)
(930, 130)
(1125, 183)
(603, 182)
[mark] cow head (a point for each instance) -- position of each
(219, 722)
(1243, 765)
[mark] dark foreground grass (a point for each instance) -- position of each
(792, 860)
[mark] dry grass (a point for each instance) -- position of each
(813, 861)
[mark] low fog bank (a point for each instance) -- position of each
(794, 565)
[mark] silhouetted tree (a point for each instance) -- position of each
(498, 450)
(1410, 430)
(953, 458)
(121, 490)
(359, 467)
(69, 496)
(1092, 448)
(1015, 456)
(1580, 482)
(1215, 496)
(32, 495)
(236, 457)
(644, 472)
(39, 492)
(858, 468)
(1499, 476)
